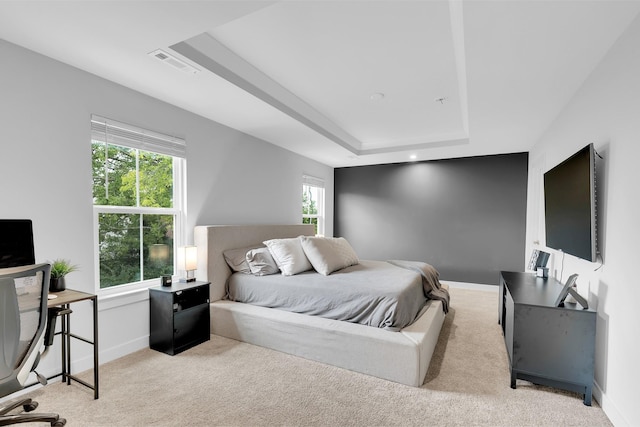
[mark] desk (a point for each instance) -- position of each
(63, 300)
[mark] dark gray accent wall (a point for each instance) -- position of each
(466, 217)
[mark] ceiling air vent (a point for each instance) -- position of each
(173, 61)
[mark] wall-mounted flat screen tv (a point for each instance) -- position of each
(570, 205)
(16, 243)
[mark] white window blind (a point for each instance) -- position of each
(312, 181)
(117, 133)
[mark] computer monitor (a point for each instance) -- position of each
(16, 243)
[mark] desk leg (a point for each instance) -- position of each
(67, 339)
(63, 342)
(95, 347)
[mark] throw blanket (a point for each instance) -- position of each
(430, 280)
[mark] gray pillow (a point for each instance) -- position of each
(261, 263)
(237, 259)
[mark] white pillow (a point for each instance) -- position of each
(260, 262)
(328, 254)
(289, 255)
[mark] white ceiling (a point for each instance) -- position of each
(458, 78)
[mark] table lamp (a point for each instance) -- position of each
(188, 262)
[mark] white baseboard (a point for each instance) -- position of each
(107, 355)
(610, 410)
(121, 350)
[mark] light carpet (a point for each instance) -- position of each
(229, 383)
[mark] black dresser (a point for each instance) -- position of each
(178, 316)
(547, 345)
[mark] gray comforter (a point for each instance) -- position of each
(373, 293)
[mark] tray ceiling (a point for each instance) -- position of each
(343, 82)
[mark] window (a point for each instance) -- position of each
(138, 191)
(313, 202)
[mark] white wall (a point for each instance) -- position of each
(45, 175)
(605, 111)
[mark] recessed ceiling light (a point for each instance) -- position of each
(413, 157)
(376, 96)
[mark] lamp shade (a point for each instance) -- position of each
(187, 258)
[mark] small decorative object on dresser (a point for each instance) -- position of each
(178, 316)
(166, 280)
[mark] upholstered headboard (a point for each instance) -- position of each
(213, 240)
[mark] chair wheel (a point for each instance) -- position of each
(30, 406)
(59, 422)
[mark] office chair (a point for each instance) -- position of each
(23, 318)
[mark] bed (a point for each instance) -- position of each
(401, 356)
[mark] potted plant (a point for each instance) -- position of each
(59, 269)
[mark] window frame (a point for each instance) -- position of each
(173, 147)
(311, 181)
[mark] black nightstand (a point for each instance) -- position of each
(178, 316)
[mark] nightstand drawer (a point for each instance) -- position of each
(188, 298)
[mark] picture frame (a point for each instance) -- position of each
(569, 289)
(538, 259)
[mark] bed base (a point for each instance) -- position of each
(402, 357)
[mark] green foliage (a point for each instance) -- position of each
(116, 182)
(309, 205)
(61, 267)
(116, 179)
(156, 180)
